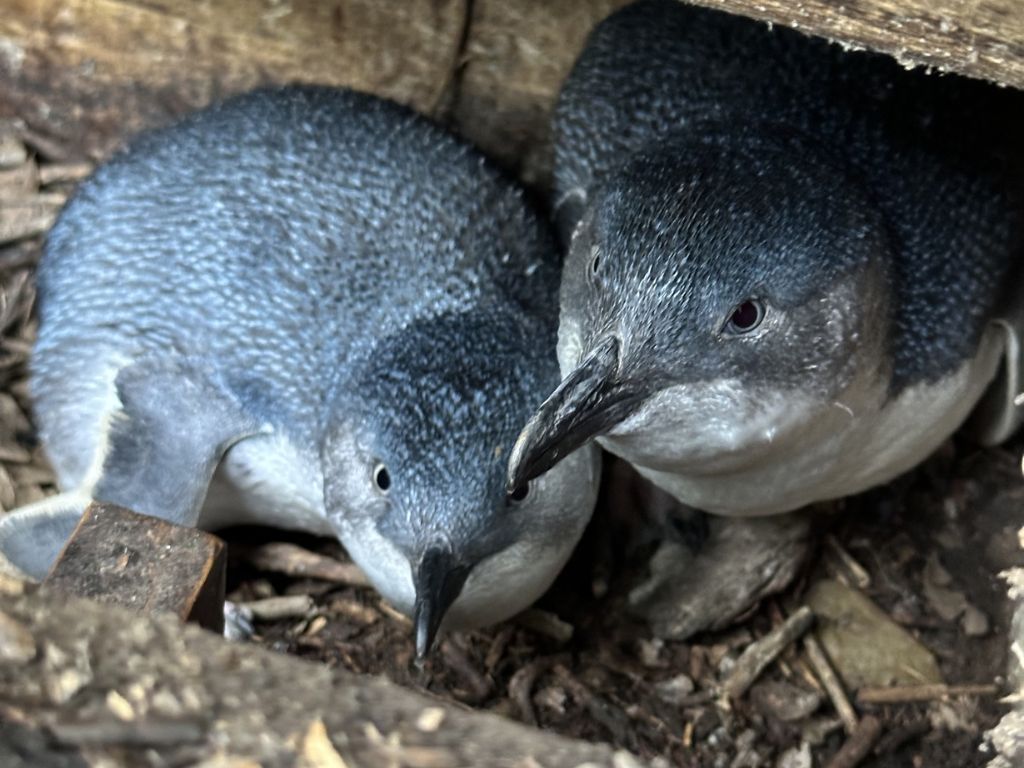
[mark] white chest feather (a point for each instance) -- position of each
(730, 455)
(267, 481)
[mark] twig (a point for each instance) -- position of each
(284, 607)
(149, 733)
(545, 623)
(760, 654)
(858, 745)
(898, 694)
(900, 735)
(292, 560)
(830, 681)
(861, 578)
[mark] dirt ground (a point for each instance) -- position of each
(925, 551)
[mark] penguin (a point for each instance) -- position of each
(793, 270)
(309, 308)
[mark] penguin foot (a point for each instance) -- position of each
(238, 624)
(742, 561)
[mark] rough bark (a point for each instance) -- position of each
(83, 683)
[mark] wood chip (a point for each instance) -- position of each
(830, 682)
(899, 694)
(293, 560)
(61, 173)
(17, 646)
(20, 219)
(12, 151)
(760, 654)
(19, 183)
(316, 749)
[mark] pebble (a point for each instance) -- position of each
(974, 623)
(785, 701)
(17, 645)
(866, 646)
(796, 757)
(675, 689)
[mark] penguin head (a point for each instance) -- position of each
(415, 461)
(716, 294)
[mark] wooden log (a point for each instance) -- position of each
(86, 73)
(144, 563)
(124, 689)
(980, 39)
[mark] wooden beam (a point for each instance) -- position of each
(145, 564)
(980, 39)
(86, 73)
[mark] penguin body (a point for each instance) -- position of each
(793, 270)
(215, 306)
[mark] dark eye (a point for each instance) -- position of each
(746, 317)
(381, 478)
(520, 493)
(595, 264)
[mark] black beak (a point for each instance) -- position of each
(438, 581)
(589, 401)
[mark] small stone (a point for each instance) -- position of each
(17, 645)
(746, 755)
(817, 729)
(796, 757)
(66, 673)
(120, 706)
(649, 651)
(866, 646)
(430, 719)
(675, 689)
(785, 701)
(974, 623)
(552, 698)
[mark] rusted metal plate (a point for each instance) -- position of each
(141, 562)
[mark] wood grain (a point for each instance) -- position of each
(981, 38)
(88, 72)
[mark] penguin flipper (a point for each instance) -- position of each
(32, 536)
(177, 418)
(998, 415)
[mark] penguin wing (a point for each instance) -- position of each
(176, 420)
(998, 414)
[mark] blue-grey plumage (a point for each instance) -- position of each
(336, 313)
(793, 269)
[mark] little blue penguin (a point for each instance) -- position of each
(793, 270)
(309, 308)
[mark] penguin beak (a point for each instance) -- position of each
(438, 581)
(589, 401)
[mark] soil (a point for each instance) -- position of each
(580, 664)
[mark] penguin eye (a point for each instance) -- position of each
(381, 478)
(520, 494)
(595, 265)
(745, 317)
